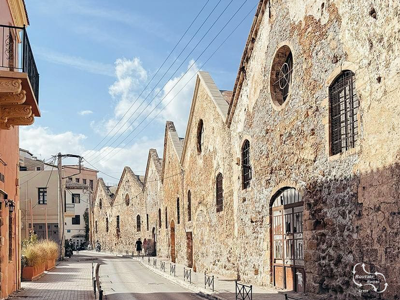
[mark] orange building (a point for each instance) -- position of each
(19, 91)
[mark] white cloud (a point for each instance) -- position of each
(85, 112)
(178, 95)
(115, 159)
(43, 143)
(74, 62)
(131, 77)
(171, 102)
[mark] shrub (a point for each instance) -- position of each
(37, 253)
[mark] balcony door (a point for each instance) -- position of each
(287, 240)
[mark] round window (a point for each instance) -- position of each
(281, 75)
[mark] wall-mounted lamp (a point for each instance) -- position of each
(10, 204)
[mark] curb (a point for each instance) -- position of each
(198, 290)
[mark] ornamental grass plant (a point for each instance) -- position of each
(38, 252)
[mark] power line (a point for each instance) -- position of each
(177, 69)
(100, 171)
(165, 60)
(113, 149)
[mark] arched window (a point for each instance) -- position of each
(101, 203)
(200, 137)
(147, 222)
(343, 113)
(106, 224)
(138, 222)
(166, 218)
(246, 167)
(159, 218)
(127, 200)
(178, 213)
(189, 206)
(220, 192)
(95, 226)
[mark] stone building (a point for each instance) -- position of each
(293, 180)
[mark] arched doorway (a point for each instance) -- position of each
(173, 258)
(287, 240)
(153, 236)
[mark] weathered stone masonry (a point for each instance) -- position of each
(349, 209)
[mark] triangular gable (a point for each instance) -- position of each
(153, 156)
(101, 184)
(247, 52)
(216, 97)
(127, 170)
(177, 143)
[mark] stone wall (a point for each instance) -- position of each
(350, 200)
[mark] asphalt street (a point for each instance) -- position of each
(126, 279)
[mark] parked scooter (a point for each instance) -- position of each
(98, 247)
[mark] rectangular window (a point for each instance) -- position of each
(106, 224)
(118, 223)
(95, 226)
(42, 195)
(147, 219)
(77, 180)
(91, 184)
(76, 220)
(37, 168)
(76, 198)
(84, 181)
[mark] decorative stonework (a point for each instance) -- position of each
(9, 85)
(12, 112)
(12, 99)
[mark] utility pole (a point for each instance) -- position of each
(47, 231)
(32, 231)
(61, 192)
(61, 197)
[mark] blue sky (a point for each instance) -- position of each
(96, 57)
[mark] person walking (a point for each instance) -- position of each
(139, 246)
(145, 244)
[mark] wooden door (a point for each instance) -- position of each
(189, 249)
(173, 258)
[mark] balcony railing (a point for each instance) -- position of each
(16, 54)
(70, 207)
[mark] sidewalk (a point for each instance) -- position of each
(70, 280)
(224, 288)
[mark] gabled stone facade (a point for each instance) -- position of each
(308, 150)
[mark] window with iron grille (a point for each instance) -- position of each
(200, 137)
(189, 206)
(138, 223)
(178, 213)
(166, 218)
(42, 195)
(159, 218)
(220, 192)
(343, 113)
(246, 167)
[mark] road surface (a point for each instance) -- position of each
(127, 279)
